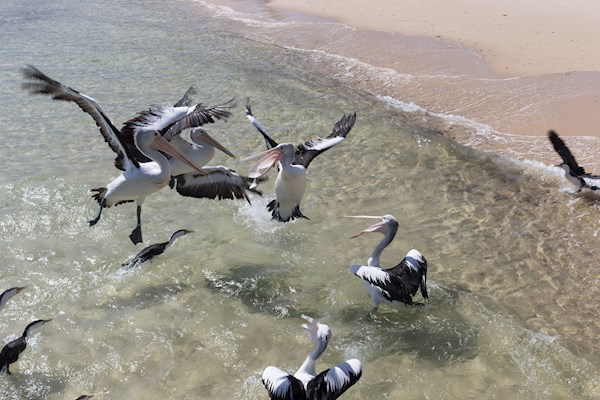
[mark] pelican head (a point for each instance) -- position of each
(200, 137)
(146, 139)
(388, 224)
(269, 158)
(318, 333)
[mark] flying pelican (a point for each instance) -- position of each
(10, 353)
(217, 182)
(291, 179)
(154, 250)
(397, 285)
(8, 294)
(573, 172)
(305, 384)
(140, 178)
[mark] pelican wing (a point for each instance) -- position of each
(332, 383)
(218, 183)
(185, 100)
(309, 150)
(198, 115)
(396, 284)
(156, 117)
(282, 386)
(268, 139)
(38, 83)
(564, 153)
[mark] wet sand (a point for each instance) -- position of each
(512, 70)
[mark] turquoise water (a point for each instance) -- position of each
(512, 252)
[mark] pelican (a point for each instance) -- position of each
(140, 177)
(218, 182)
(573, 172)
(305, 384)
(153, 250)
(8, 294)
(397, 285)
(290, 184)
(10, 353)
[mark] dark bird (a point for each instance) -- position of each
(84, 397)
(573, 172)
(290, 184)
(145, 169)
(10, 353)
(397, 285)
(8, 294)
(153, 250)
(305, 384)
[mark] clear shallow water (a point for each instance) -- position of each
(514, 289)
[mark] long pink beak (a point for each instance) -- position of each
(378, 227)
(205, 138)
(270, 157)
(160, 143)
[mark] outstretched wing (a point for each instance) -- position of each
(332, 383)
(156, 117)
(564, 153)
(309, 150)
(185, 100)
(218, 183)
(38, 83)
(282, 386)
(268, 139)
(198, 115)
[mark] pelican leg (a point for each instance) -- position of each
(136, 234)
(172, 182)
(95, 220)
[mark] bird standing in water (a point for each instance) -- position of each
(397, 285)
(10, 353)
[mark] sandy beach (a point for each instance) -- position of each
(516, 37)
(518, 68)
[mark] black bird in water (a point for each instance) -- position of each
(10, 353)
(147, 253)
(573, 172)
(8, 294)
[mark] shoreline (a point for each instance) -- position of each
(440, 75)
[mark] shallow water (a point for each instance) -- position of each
(512, 251)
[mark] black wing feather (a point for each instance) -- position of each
(39, 83)
(309, 150)
(564, 153)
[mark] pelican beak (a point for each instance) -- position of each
(378, 227)
(311, 330)
(162, 144)
(21, 288)
(268, 159)
(213, 142)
